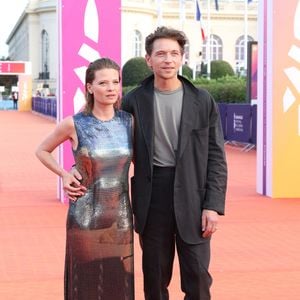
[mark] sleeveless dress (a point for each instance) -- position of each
(99, 245)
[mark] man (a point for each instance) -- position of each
(180, 174)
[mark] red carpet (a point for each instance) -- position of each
(255, 252)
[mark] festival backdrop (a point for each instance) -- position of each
(88, 29)
(279, 99)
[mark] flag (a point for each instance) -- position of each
(203, 34)
(198, 18)
(198, 12)
(217, 4)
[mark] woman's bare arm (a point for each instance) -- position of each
(63, 131)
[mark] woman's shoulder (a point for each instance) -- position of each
(83, 118)
(79, 115)
(66, 125)
(67, 121)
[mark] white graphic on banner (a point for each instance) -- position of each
(80, 72)
(293, 73)
(79, 100)
(294, 53)
(91, 30)
(288, 99)
(88, 53)
(91, 21)
(238, 125)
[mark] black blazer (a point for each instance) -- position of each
(201, 170)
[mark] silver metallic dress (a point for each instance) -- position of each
(99, 246)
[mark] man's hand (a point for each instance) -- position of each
(209, 222)
(72, 185)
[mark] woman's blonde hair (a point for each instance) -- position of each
(99, 64)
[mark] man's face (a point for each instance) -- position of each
(165, 59)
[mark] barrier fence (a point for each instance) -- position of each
(6, 104)
(45, 106)
(239, 121)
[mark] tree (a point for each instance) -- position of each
(187, 72)
(218, 69)
(134, 71)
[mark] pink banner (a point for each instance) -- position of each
(253, 71)
(89, 29)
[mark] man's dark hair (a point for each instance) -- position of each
(165, 33)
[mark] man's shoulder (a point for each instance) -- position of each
(204, 94)
(132, 92)
(142, 88)
(198, 92)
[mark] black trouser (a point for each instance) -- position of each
(158, 242)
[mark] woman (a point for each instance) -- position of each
(99, 246)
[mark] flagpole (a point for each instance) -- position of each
(197, 18)
(182, 13)
(182, 19)
(159, 12)
(246, 36)
(194, 65)
(208, 42)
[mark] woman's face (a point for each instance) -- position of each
(105, 87)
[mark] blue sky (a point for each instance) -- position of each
(10, 11)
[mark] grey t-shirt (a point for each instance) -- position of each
(167, 115)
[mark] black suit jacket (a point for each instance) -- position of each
(201, 171)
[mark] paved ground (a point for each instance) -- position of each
(255, 253)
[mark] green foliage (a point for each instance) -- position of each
(221, 68)
(134, 71)
(229, 89)
(225, 89)
(187, 72)
(126, 89)
(218, 69)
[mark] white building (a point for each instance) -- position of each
(228, 27)
(34, 37)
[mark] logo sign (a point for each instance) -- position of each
(239, 122)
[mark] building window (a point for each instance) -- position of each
(216, 49)
(137, 44)
(240, 51)
(45, 56)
